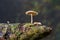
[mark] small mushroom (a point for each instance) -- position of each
(38, 23)
(32, 13)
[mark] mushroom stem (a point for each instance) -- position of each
(31, 18)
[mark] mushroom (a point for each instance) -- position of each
(32, 13)
(38, 23)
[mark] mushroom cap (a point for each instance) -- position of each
(32, 12)
(38, 23)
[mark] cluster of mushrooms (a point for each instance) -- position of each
(29, 31)
(34, 30)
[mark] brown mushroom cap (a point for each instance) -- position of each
(32, 12)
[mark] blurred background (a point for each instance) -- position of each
(49, 13)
